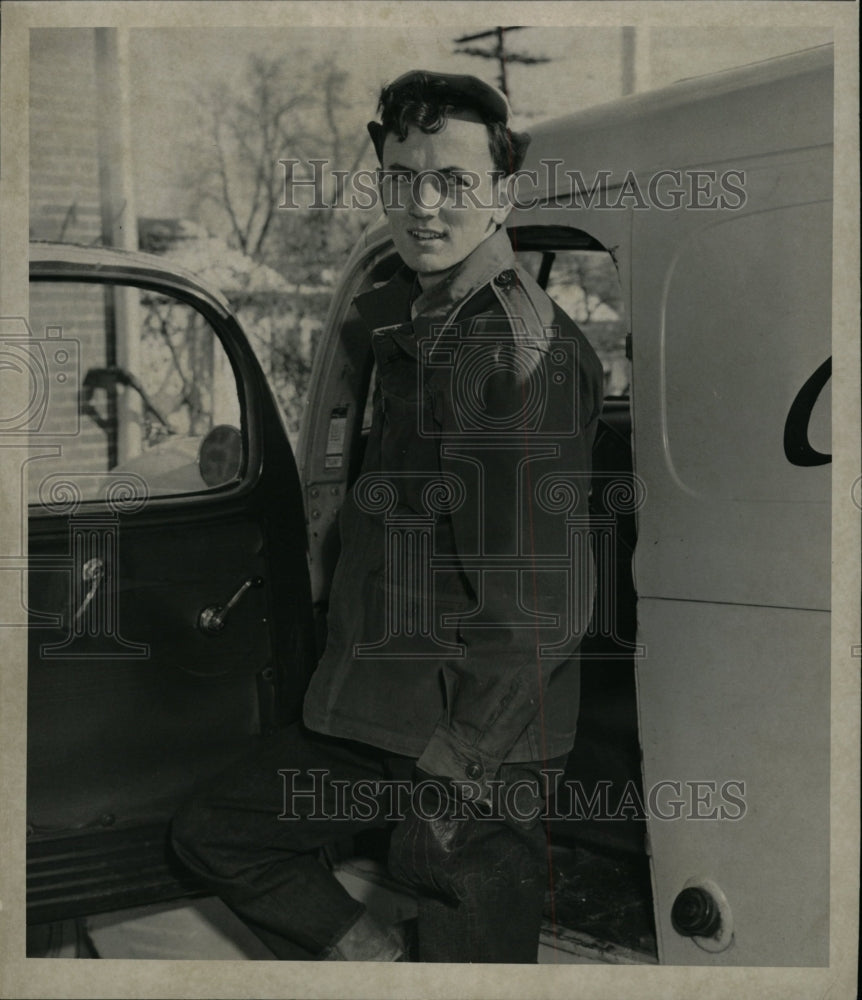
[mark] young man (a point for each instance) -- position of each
(464, 585)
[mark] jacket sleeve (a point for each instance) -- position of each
(522, 538)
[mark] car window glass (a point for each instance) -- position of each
(139, 392)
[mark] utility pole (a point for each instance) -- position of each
(498, 52)
(635, 58)
(119, 228)
(628, 60)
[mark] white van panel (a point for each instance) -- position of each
(731, 317)
(730, 693)
(731, 314)
(725, 444)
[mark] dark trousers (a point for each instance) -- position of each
(254, 839)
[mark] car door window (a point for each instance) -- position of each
(586, 286)
(139, 388)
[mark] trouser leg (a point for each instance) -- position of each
(488, 907)
(458, 933)
(482, 883)
(253, 838)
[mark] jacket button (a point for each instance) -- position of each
(474, 771)
(505, 278)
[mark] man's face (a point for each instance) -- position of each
(436, 229)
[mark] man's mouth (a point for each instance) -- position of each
(424, 234)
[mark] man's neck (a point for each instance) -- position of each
(433, 278)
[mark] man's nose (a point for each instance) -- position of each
(425, 195)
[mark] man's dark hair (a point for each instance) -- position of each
(426, 101)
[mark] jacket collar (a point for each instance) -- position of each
(493, 255)
(389, 308)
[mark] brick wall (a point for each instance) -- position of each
(64, 142)
(64, 205)
(84, 448)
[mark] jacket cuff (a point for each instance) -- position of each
(447, 756)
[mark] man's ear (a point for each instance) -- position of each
(375, 130)
(504, 199)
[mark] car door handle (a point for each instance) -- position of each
(214, 617)
(93, 572)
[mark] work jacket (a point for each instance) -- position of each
(465, 581)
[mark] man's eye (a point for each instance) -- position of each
(395, 176)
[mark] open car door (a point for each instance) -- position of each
(168, 601)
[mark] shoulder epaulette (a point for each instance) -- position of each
(527, 306)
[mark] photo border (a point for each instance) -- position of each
(29, 977)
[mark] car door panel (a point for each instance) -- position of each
(195, 691)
